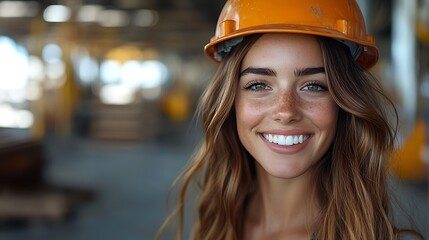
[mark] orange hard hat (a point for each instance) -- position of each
(338, 19)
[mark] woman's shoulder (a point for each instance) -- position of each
(410, 236)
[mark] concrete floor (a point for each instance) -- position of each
(131, 180)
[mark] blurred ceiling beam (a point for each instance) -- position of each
(187, 24)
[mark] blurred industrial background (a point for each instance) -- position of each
(97, 100)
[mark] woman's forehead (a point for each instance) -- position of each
(284, 49)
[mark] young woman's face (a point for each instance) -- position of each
(286, 116)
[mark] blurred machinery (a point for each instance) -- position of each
(96, 69)
(400, 28)
(24, 193)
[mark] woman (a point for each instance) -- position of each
(296, 134)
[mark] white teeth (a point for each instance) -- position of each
(295, 140)
(289, 140)
(282, 140)
(286, 140)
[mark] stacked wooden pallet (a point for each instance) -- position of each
(137, 121)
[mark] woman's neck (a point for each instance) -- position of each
(282, 206)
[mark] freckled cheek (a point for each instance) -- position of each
(324, 114)
(249, 113)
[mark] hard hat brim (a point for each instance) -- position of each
(367, 58)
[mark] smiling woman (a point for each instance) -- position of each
(296, 131)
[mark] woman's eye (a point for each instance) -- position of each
(314, 87)
(256, 86)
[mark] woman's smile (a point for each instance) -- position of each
(286, 140)
(285, 144)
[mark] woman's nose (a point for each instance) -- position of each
(287, 108)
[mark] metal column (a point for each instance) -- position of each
(404, 57)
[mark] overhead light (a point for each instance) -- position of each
(57, 13)
(52, 53)
(15, 9)
(146, 18)
(15, 118)
(88, 13)
(14, 62)
(153, 74)
(113, 18)
(110, 71)
(116, 94)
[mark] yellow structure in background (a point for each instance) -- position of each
(408, 163)
(423, 32)
(422, 24)
(177, 106)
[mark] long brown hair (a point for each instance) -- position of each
(351, 182)
(351, 177)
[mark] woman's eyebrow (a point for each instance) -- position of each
(258, 71)
(309, 71)
(271, 72)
